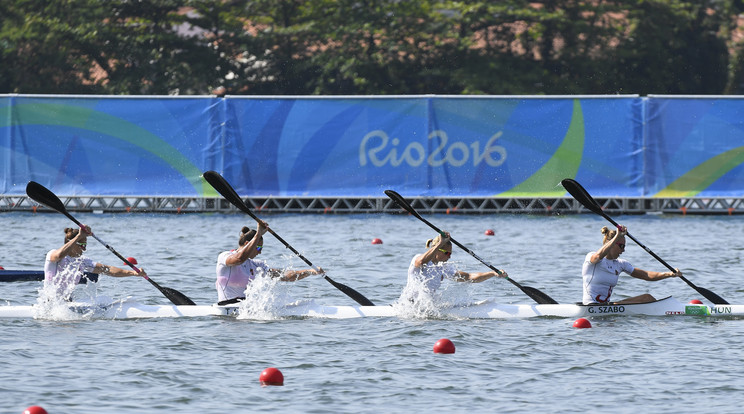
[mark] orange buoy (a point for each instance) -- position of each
(271, 376)
(582, 323)
(444, 346)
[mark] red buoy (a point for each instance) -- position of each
(2, 268)
(271, 376)
(582, 323)
(376, 241)
(444, 346)
(132, 260)
(696, 302)
(489, 232)
(35, 409)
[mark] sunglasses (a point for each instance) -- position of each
(445, 252)
(81, 244)
(622, 245)
(258, 248)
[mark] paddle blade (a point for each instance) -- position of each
(581, 195)
(400, 201)
(44, 196)
(358, 297)
(173, 295)
(538, 296)
(223, 187)
(707, 294)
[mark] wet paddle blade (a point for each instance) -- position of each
(707, 294)
(219, 183)
(401, 202)
(582, 196)
(176, 297)
(44, 196)
(358, 297)
(537, 295)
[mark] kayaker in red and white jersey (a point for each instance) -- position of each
(602, 269)
(427, 270)
(65, 266)
(237, 268)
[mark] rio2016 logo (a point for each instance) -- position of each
(414, 154)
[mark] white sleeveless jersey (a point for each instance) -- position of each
(427, 278)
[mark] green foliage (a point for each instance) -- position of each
(353, 47)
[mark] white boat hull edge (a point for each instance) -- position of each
(488, 309)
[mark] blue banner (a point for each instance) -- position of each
(695, 147)
(105, 146)
(616, 146)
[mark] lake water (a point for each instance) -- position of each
(199, 365)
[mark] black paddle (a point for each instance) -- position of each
(535, 294)
(42, 195)
(223, 187)
(582, 196)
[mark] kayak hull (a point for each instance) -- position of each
(489, 309)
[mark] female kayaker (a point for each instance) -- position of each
(237, 268)
(427, 270)
(64, 267)
(602, 269)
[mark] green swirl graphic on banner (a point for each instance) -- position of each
(108, 126)
(701, 177)
(565, 162)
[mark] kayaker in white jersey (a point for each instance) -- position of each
(65, 266)
(237, 268)
(602, 269)
(427, 270)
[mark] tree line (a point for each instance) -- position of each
(375, 47)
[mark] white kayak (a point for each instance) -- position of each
(488, 309)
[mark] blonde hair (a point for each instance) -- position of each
(435, 241)
(608, 234)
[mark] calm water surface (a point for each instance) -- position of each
(622, 365)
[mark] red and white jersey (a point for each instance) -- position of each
(601, 278)
(232, 280)
(66, 273)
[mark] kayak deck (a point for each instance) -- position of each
(488, 309)
(37, 275)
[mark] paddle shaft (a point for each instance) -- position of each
(460, 245)
(44, 196)
(533, 293)
(654, 255)
(111, 249)
(223, 187)
(583, 197)
(282, 241)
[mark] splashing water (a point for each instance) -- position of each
(417, 301)
(52, 302)
(265, 297)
